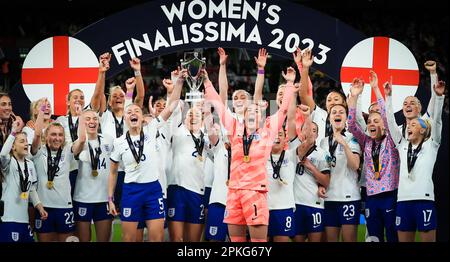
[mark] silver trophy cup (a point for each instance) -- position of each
(194, 63)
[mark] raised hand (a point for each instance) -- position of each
(373, 78)
(305, 110)
(290, 74)
(168, 84)
(175, 74)
(104, 62)
(17, 125)
(297, 55)
(130, 84)
(135, 63)
(307, 58)
(430, 65)
(357, 87)
(297, 87)
(439, 88)
(203, 73)
(262, 58)
(387, 89)
(151, 109)
(222, 56)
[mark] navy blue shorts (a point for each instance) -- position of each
(141, 201)
(380, 216)
(59, 220)
(15, 232)
(87, 212)
(342, 213)
(215, 228)
(185, 205)
(308, 220)
(415, 215)
(281, 222)
(142, 225)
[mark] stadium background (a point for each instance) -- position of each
(421, 25)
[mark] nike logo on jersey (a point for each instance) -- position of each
(286, 230)
(253, 218)
(389, 210)
(426, 224)
(161, 212)
(316, 226)
(349, 218)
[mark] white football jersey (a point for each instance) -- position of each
(306, 186)
(64, 121)
(58, 196)
(15, 208)
(344, 184)
(219, 185)
(419, 184)
(172, 124)
(281, 196)
(146, 170)
(89, 188)
(162, 147)
(188, 170)
(209, 172)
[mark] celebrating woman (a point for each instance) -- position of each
(18, 179)
(251, 144)
(142, 193)
(415, 202)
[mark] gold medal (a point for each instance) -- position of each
(377, 175)
(94, 173)
(246, 159)
(200, 158)
(49, 184)
(24, 195)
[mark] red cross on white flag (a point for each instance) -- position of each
(57, 65)
(388, 58)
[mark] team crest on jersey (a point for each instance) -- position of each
(367, 212)
(15, 236)
(213, 231)
(171, 212)
(82, 211)
(107, 149)
(127, 212)
(38, 223)
(398, 220)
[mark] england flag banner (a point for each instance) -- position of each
(391, 60)
(57, 65)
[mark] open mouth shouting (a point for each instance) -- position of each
(134, 119)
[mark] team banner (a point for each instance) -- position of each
(162, 27)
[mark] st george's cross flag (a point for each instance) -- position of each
(390, 59)
(57, 65)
